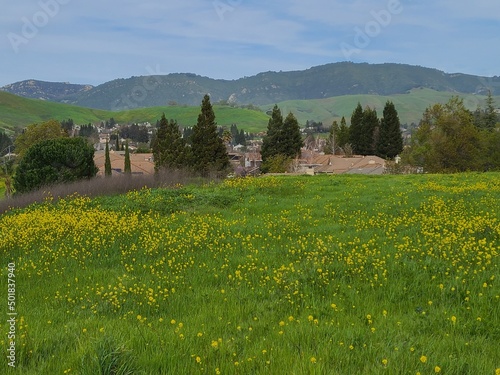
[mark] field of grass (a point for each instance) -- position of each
(410, 106)
(271, 275)
(18, 112)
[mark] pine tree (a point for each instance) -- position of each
(270, 143)
(356, 129)
(107, 162)
(369, 128)
(169, 148)
(117, 146)
(127, 168)
(283, 138)
(343, 135)
(208, 151)
(292, 139)
(490, 117)
(390, 141)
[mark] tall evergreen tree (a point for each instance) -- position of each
(292, 139)
(107, 162)
(390, 140)
(343, 135)
(356, 129)
(208, 151)
(169, 148)
(283, 138)
(127, 168)
(270, 143)
(369, 134)
(490, 117)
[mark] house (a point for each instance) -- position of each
(337, 164)
(139, 163)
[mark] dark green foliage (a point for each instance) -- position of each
(135, 133)
(363, 133)
(208, 152)
(369, 135)
(282, 138)
(490, 155)
(447, 140)
(107, 162)
(292, 139)
(390, 140)
(343, 134)
(67, 125)
(127, 168)
(54, 161)
(88, 131)
(490, 117)
(356, 129)
(169, 148)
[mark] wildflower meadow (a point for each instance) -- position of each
(269, 275)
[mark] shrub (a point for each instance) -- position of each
(55, 161)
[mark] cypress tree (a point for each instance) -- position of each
(343, 135)
(169, 148)
(292, 139)
(107, 162)
(390, 141)
(127, 168)
(270, 143)
(356, 129)
(369, 133)
(208, 150)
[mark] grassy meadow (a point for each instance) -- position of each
(18, 112)
(271, 275)
(410, 106)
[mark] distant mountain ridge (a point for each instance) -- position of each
(330, 80)
(53, 91)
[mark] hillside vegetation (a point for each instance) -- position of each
(319, 82)
(18, 112)
(274, 275)
(410, 106)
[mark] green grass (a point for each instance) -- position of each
(410, 106)
(18, 112)
(273, 275)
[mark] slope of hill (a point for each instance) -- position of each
(410, 106)
(318, 82)
(17, 112)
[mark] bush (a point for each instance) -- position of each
(54, 161)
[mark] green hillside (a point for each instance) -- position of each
(410, 106)
(17, 112)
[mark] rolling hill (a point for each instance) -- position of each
(320, 82)
(17, 112)
(410, 106)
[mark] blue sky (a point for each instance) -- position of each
(97, 41)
